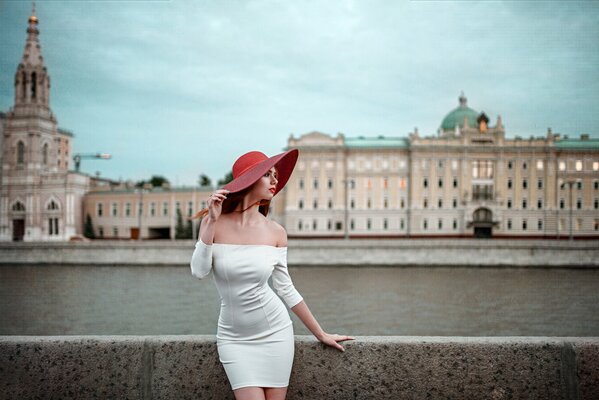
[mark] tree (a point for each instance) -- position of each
(88, 229)
(205, 180)
(155, 181)
(228, 178)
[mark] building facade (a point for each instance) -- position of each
(40, 199)
(468, 180)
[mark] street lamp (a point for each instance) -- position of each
(77, 158)
(570, 183)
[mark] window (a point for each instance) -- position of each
(314, 224)
(99, 209)
(482, 169)
(329, 224)
(53, 226)
(509, 203)
(540, 184)
(127, 209)
(300, 204)
(165, 208)
(595, 166)
(509, 165)
(579, 184)
(301, 183)
(315, 204)
(596, 204)
(455, 224)
(524, 224)
(401, 224)
(352, 224)
(425, 224)
(114, 210)
(562, 165)
(579, 203)
(100, 231)
(440, 164)
(368, 223)
(596, 225)
(440, 182)
(509, 183)
(524, 165)
(561, 204)
(368, 203)
(455, 182)
(330, 183)
(115, 231)
(440, 203)
(540, 225)
(578, 165)
(299, 225)
(425, 182)
(440, 224)
(315, 183)
(509, 224)
(454, 203)
(385, 223)
(540, 165)
(425, 203)
(352, 203)
(524, 204)
(596, 184)
(153, 209)
(20, 153)
(524, 184)
(330, 204)
(385, 203)
(540, 204)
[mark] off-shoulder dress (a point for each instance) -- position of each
(254, 335)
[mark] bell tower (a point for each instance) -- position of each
(32, 82)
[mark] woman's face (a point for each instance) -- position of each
(266, 185)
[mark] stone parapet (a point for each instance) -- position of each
(358, 252)
(383, 367)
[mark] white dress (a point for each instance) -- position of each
(254, 336)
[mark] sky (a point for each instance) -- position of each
(182, 88)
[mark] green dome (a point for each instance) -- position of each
(456, 116)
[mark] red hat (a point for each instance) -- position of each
(252, 165)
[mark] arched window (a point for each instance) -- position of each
(45, 154)
(23, 86)
(52, 205)
(33, 85)
(18, 206)
(20, 152)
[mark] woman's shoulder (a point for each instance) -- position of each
(279, 232)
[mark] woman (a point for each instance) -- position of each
(255, 334)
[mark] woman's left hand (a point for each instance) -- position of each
(331, 339)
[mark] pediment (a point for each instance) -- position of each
(316, 138)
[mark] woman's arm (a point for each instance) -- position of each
(303, 312)
(283, 284)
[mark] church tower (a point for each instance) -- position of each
(37, 198)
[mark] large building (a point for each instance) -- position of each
(467, 180)
(40, 199)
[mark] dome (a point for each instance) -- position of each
(456, 116)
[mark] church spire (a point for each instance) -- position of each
(32, 83)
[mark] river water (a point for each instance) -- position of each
(438, 301)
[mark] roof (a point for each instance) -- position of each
(377, 142)
(591, 143)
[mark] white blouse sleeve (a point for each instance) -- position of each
(282, 281)
(201, 260)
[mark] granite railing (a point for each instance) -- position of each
(374, 367)
(356, 252)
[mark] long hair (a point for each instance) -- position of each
(231, 203)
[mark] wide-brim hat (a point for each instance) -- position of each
(251, 166)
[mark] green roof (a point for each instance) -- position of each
(456, 117)
(591, 143)
(377, 141)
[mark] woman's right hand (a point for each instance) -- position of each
(215, 203)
